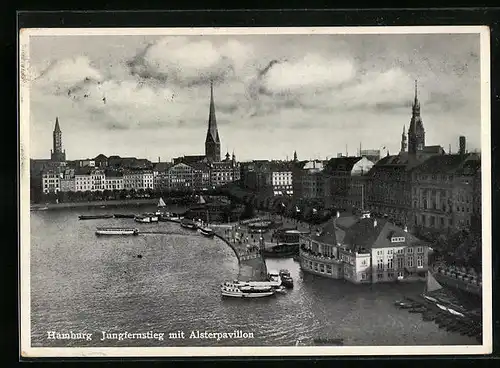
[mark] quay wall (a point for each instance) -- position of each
(231, 245)
(112, 203)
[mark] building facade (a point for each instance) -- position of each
(51, 181)
(371, 251)
(343, 188)
(443, 192)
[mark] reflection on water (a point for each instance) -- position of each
(84, 283)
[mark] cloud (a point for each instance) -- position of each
(188, 62)
(66, 73)
(312, 72)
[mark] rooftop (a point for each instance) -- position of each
(445, 164)
(370, 233)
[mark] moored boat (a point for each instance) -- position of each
(188, 224)
(146, 218)
(274, 279)
(161, 204)
(237, 289)
(94, 217)
(286, 279)
(116, 231)
(205, 231)
(120, 215)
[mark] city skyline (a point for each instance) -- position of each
(359, 85)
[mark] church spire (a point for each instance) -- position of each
(416, 132)
(57, 128)
(212, 142)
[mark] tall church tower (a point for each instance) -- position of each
(56, 153)
(212, 142)
(416, 133)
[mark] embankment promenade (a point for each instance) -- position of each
(111, 203)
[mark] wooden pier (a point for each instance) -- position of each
(466, 324)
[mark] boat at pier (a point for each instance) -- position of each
(205, 231)
(116, 231)
(274, 279)
(161, 204)
(238, 289)
(188, 224)
(94, 217)
(286, 279)
(120, 215)
(146, 218)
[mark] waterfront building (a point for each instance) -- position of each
(205, 170)
(113, 180)
(51, 181)
(376, 250)
(312, 181)
(184, 177)
(282, 178)
(83, 179)
(68, 180)
(342, 187)
(212, 141)
(443, 192)
(389, 184)
(138, 179)
(224, 172)
(319, 252)
(256, 175)
(57, 154)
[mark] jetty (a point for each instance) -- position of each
(251, 261)
(441, 307)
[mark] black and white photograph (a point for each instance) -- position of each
(255, 191)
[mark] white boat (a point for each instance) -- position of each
(237, 289)
(274, 278)
(146, 218)
(188, 224)
(116, 231)
(206, 231)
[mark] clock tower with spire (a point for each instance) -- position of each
(57, 154)
(416, 132)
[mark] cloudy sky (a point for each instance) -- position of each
(148, 96)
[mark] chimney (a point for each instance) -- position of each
(461, 145)
(375, 223)
(158, 159)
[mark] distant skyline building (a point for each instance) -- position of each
(212, 142)
(57, 154)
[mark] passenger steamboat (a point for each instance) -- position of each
(116, 231)
(237, 289)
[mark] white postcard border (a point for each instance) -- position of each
(24, 227)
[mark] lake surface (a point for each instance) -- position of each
(88, 284)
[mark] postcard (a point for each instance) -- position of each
(255, 191)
